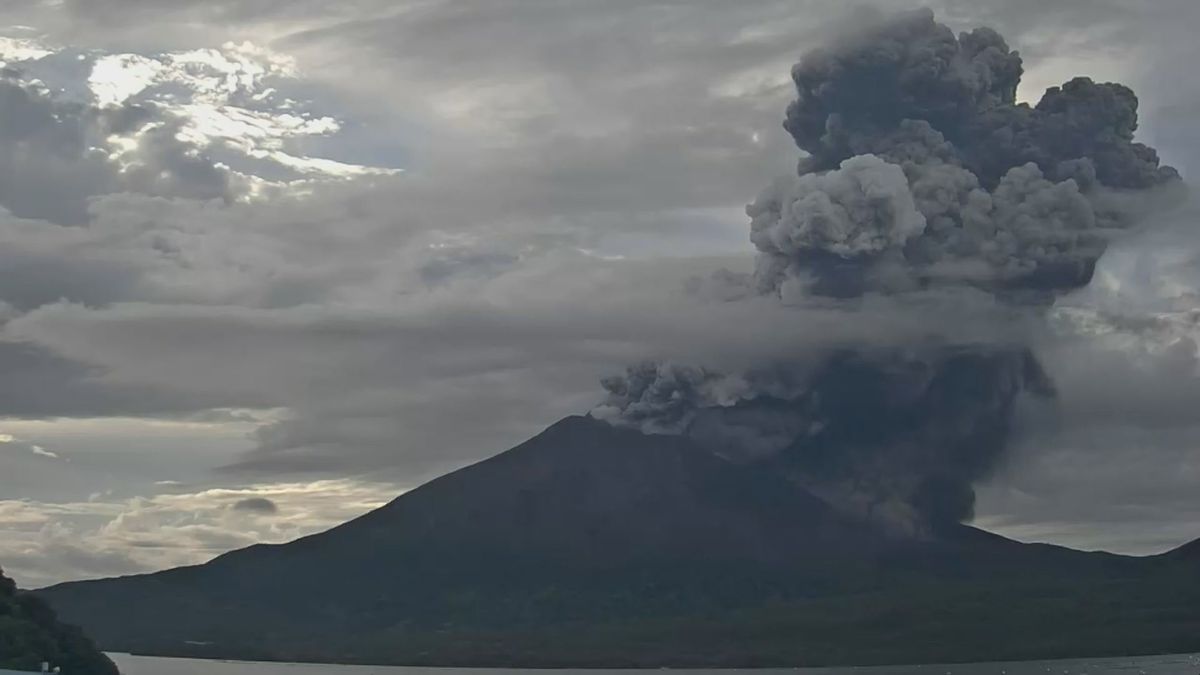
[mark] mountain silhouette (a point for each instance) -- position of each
(591, 545)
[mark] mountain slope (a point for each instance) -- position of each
(1188, 552)
(30, 634)
(591, 545)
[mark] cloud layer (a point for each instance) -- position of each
(49, 542)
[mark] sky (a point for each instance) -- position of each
(266, 265)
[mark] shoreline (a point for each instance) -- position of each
(1193, 659)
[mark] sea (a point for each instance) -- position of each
(1178, 664)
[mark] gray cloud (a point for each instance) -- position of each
(54, 156)
(529, 131)
(1136, 485)
(495, 347)
(260, 505)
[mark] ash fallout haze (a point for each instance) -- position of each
(265, 266)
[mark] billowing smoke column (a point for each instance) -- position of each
(922, 173)
(994, 194)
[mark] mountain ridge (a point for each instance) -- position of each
(592, 545)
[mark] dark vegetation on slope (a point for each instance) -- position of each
(30, 634)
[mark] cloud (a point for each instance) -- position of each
(410, 323)
(525, 325)
(260, 505)
(43, 542)
(42, 452)
(57, 155)
(11, 443)
(1107, 486)
(212, 123)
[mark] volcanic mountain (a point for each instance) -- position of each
(804, 508)
(594, 545)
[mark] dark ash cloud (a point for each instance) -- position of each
(923, 175)
(1000, 194)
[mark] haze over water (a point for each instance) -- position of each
(1176, 664)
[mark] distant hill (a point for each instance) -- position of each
(30, 634)
(591, 545)
(1189, 551)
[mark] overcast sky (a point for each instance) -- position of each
(266, 264)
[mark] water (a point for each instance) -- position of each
(1181, 664)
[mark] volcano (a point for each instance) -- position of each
(593, 545)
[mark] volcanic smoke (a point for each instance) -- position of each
(922, 175)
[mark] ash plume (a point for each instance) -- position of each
(923, 174)
(1014, 198)
(905, 86)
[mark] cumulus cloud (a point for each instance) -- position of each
(205, 124)
(59, 153)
